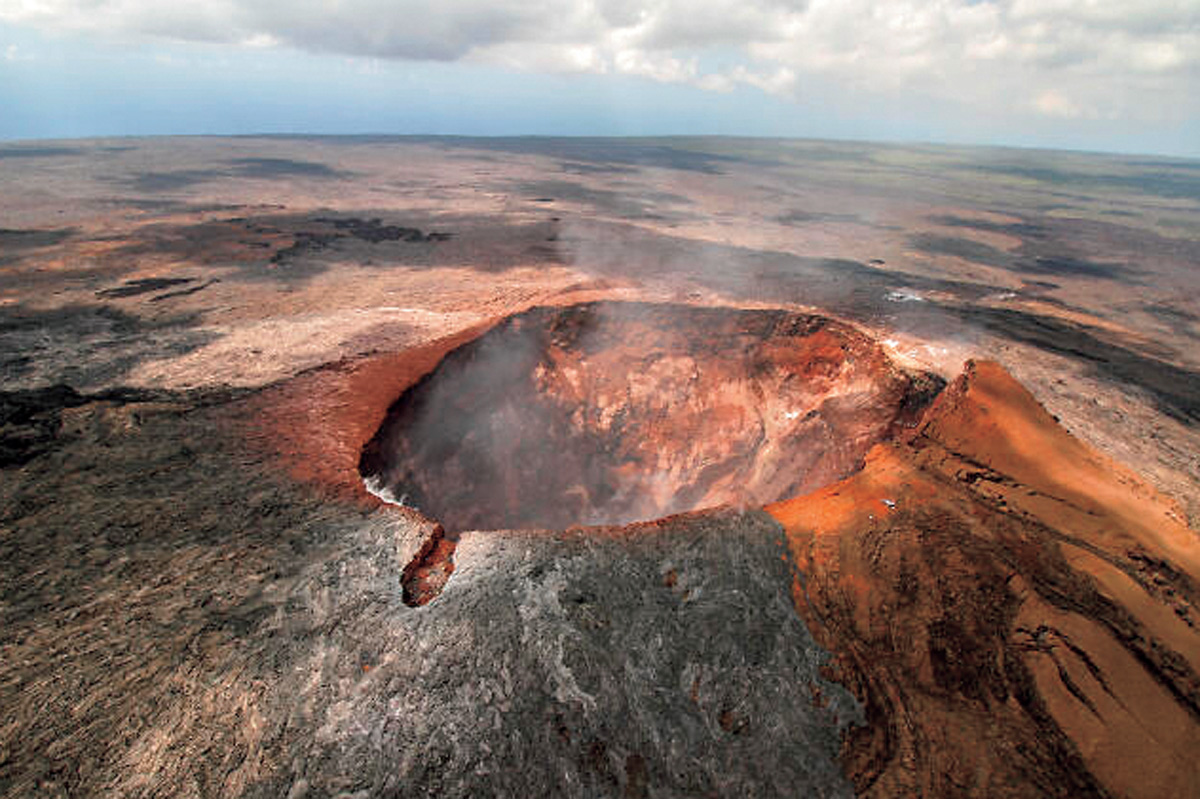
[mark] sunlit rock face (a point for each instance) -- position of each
(608, 413)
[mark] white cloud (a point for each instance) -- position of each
(654, 65)
(1076, 58)
(782, 81)
(721, 84)
(1055, 104)
(261, 40)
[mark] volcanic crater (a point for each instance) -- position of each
(953, 515)
(608, 413)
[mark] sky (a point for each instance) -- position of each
(1110, 75)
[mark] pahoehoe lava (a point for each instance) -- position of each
(610, 412)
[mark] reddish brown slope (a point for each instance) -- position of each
(1020, 622)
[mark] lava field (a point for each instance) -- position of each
(441, 467)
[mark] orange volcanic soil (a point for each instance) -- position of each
(1016, 611)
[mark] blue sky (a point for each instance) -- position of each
(1079, 74)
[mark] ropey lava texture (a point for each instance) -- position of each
(606, 413)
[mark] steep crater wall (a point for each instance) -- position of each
(609, 412)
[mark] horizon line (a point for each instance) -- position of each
(898, 143)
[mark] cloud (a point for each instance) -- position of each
(1079, 59)
(1055, 104)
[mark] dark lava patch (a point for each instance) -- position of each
(29, 239)
(802, 217)
(614, 412)
(32, 421)
(184, 292)
(293, 248)
(154, 182)
(1171, 182)
(144, 285)
(87, 346)
(596, 169)
(38, 152)
(1030, 258)
(252, 168)
(1025, 230)
(374, 231)
(602, 151)
(283, 168)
